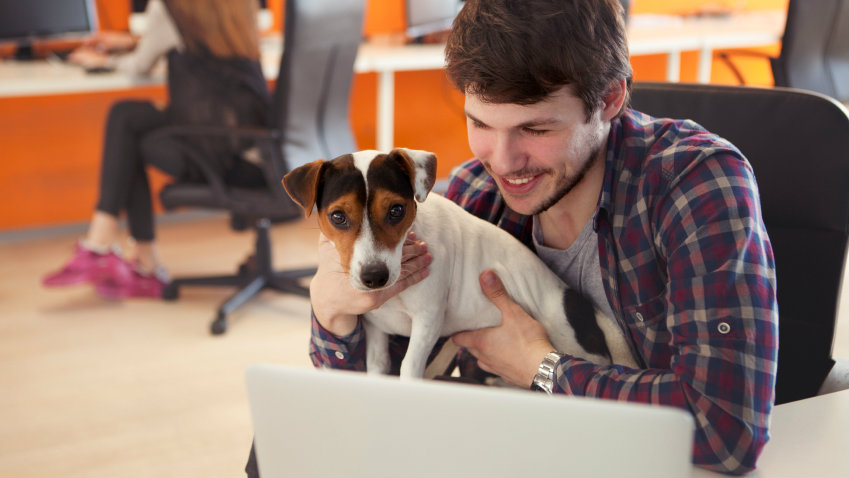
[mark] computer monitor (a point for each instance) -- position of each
(430, 16)
(27, 21)
(139, 6)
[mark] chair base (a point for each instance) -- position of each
(253, 276)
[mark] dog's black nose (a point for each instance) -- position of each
(374, 275)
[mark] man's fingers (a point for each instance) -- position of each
(493, 289)
(463, 339)
(413, 271)
(412, 248)
(327, 253)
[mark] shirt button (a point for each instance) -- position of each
(639, 317)
(339, 355)
(723, 328)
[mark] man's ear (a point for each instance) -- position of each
(613, 99)
(302, 182)
(420, 166)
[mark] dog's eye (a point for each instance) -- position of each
(396, 213)
(339, 219)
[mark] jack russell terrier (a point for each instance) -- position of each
(367, 204)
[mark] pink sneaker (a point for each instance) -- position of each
(139, 284)
(89, 266)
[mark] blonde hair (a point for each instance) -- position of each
(226, 28)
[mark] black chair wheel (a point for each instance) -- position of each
(170, 292)
(219, 325)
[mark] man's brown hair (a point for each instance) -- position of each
(521, 51)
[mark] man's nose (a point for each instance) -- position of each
(506, 157)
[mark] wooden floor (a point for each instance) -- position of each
(90, 387)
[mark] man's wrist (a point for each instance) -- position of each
(544, 379)
(338, 325)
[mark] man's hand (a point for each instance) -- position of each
(336, 303)
(512, 350)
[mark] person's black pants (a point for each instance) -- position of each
(124, 184)
(129, 146)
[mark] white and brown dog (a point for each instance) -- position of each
(367, 204)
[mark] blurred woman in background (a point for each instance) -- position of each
(214, 78)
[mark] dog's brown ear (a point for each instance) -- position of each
(421, 167)
(302, 184)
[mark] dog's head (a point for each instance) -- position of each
(367, 204)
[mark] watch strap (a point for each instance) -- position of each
(544, 378)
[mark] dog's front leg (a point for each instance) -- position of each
(425, 333)
(377, 349)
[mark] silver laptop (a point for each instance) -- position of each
(311, 422)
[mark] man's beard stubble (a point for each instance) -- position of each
(567, 185)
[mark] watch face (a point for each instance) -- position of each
(543, 384)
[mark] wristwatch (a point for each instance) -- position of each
(544, 379)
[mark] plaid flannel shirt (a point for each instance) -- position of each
(688, 269)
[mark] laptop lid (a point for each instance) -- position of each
(311, 422)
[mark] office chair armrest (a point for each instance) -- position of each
(233, 132)
(260, 135)
(268, 140)
(192, 155)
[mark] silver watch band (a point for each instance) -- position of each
(544, 379)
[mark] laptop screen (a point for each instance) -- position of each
(334, 423)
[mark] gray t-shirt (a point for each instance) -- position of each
(578, 265)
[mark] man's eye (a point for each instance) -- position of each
(339, 218)
(396, 212)
(535, 132)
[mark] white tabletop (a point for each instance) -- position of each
(651, 34)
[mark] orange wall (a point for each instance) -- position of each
(51, 156)
(51, 145)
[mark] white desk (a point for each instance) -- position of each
(648, 34)
(44, 78)
(652, 34)
(808, 438)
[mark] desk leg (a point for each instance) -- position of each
(385, 110)
(673, 66)
(705, 63)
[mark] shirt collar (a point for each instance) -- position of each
(611, 160)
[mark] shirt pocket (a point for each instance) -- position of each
(647, 314)
(649, 322)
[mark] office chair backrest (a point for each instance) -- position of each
(815, 48)
(798, 145)
(321, 38)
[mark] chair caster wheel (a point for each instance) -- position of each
(219, 325)
(170, 292)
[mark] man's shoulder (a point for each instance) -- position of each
(669, 146)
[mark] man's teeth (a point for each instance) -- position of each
(517, 182)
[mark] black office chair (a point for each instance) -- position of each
(814, 49)
(798, 144)
(309, 121)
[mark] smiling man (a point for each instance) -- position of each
(657, 222)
